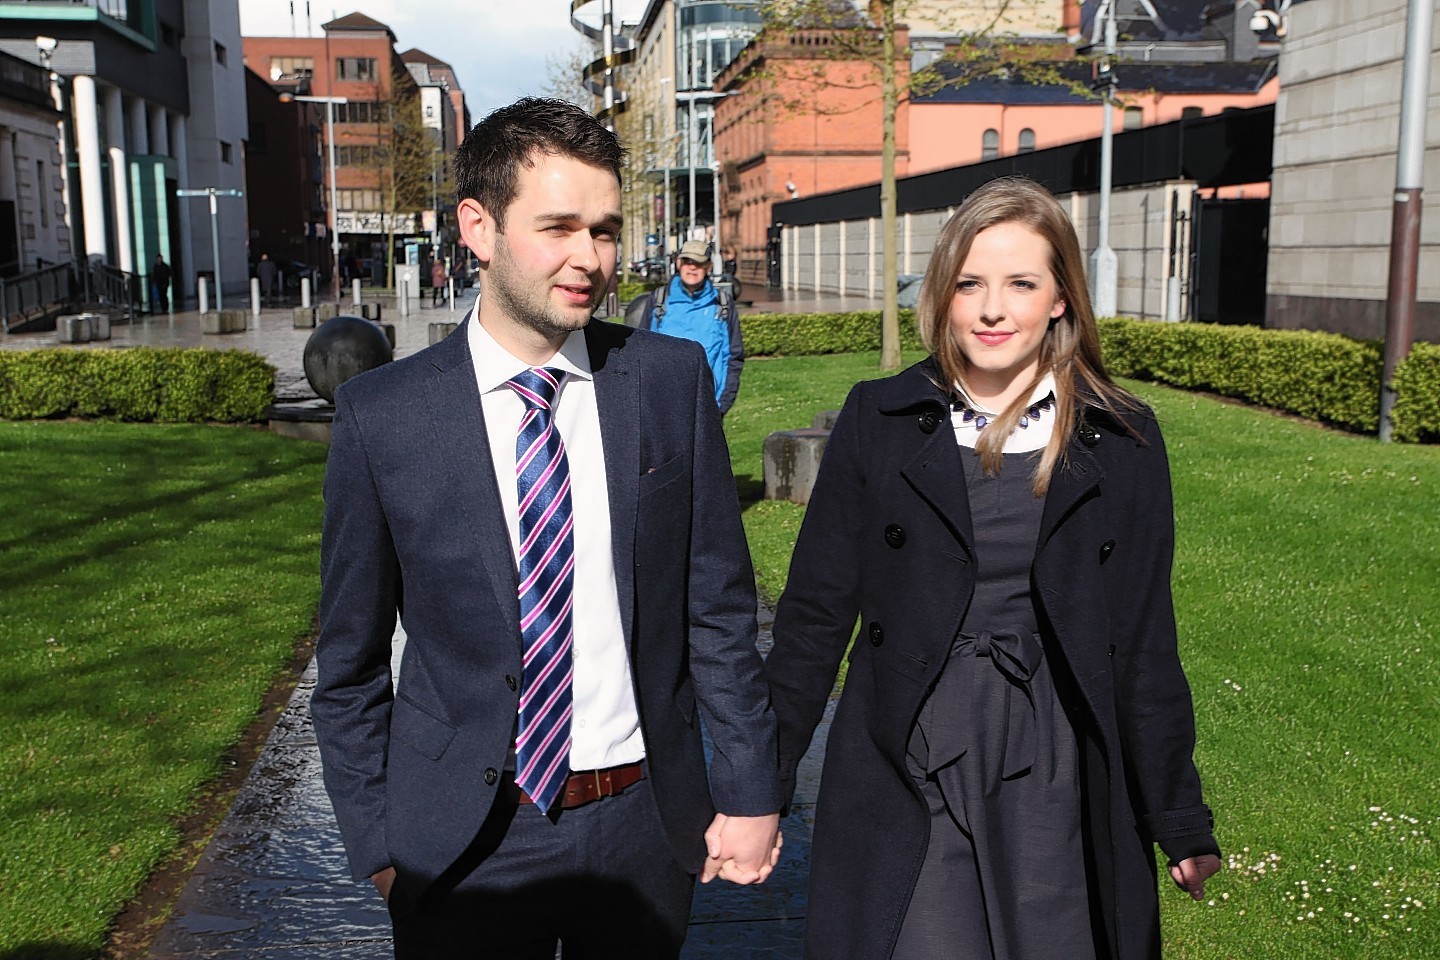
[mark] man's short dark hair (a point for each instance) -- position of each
(488, 161)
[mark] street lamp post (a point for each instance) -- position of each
(334, 208)
(213, 193)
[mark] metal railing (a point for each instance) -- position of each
(29, 294)
(116, 288)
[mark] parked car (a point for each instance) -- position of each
(650, 267)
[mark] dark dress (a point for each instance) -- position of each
(996, 760)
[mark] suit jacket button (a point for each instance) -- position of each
(491, 775)
(929, 420)
(511, 682)
(877, 635)
(1105, 550)
(895, 535)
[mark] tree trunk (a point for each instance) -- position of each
(890, 316)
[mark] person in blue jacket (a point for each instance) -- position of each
(691, 307)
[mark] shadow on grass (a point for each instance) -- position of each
(48, 950)
(751, 490)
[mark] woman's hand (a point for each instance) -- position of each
(1191, 873)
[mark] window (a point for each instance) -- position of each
(352, 199)
(359, 111)
(355, 68)
(43, 193)
(990, 145)
(1192, 113)
(298, 67)
(354, 156)
(220, 54)
(227, 152)
(1027, 141)
(1134, 118)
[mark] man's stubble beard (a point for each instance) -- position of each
(530, 306)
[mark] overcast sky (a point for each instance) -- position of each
(497, 47)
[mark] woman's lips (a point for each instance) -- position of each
(993, 339)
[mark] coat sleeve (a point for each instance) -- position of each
(1153, 702)
(359, 594)
(725, 665)
(736, 362)
(816, 616)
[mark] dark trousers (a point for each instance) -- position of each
(599, 879)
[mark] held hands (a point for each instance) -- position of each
(1191, 873)
(383, 881)
(742, 850)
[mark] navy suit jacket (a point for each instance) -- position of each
(413, 523)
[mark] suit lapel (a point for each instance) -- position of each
(617, 397)
(463, 449)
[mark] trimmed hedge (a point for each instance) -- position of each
(164, 385)
(1320, 376)
(806, 334)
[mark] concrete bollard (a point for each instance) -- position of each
(303, 317)
(326, 311)
(389, 329)
(204, 289)
(255, 296)
(792, 462)
(99, 326)
(223, 321)
(450, 293)
(439, 331)
(305, 291)
(825, 419)
(370, 311)
(355, 291)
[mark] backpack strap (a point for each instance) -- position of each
(657, 305)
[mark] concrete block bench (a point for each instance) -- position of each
(439, 331)
(82, 327)
(223, 321)
(369, 311)
(792, 462)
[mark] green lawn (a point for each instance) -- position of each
(1306, 589)
(155, 578)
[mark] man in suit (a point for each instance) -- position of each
(546, 499)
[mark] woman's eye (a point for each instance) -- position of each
(966, 285)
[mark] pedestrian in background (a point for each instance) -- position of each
(267, 273)
(691, 307)
(1015, 732)
(160, 278)
(437, 281)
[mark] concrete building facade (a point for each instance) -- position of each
(1336, 137)
(33, 231)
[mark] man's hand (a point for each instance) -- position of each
(1191, 873)
(383, 881)
(742, 850)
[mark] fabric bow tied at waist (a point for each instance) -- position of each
(993, 710)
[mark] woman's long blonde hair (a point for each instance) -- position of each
(1071, 348)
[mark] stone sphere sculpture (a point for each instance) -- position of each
(340, 348)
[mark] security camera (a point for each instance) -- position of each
(793, 190)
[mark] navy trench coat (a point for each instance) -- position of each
(887, 538)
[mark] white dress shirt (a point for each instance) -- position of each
(605, 724)
(1021, 440)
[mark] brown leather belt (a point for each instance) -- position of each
(585, 786)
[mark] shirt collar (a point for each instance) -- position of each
(1043, 389)
(494, 365)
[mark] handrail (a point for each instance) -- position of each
(35, 291)
(114, 286)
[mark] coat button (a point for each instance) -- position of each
(1106, 549)
(491, 775)
(1089, 435)
(895, 535)
(511, 682)
(877, 635)
(929, 420)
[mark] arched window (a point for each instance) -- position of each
(990, 144)
(1027, 140)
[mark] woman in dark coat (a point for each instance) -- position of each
(1015, 731)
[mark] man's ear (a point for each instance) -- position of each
(477, 228)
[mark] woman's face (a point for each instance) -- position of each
(1004, 300)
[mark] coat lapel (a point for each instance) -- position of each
(479, 516)
(617, 396)
(937, 473)
(1069, 484)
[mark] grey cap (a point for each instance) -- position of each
(697, 250)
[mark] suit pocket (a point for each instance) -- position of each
(659, 476)
(421, 732)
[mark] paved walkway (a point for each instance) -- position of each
(273, 883)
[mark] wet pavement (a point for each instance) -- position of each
(273, 883)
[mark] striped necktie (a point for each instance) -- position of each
(547, 587)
